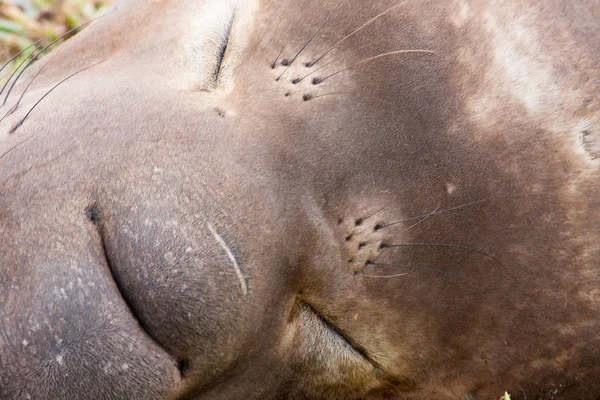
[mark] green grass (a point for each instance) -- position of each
(23, 22)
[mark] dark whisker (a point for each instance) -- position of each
(47, 47)
(363, 219)
(391, 53)
(384, 276)
(24, 50)
(308, 97)
(274, 64)
(14, 108)
(420, 221)
(410, 267)
(286, 43)
(423, 218)
(50, 91)
(14, 147)
(312, 72)
(355, 32)
(288, 94)
(18, 67)
(311, 39)
(378, 211)
(455, 246)
(381, 226)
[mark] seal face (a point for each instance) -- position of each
(306, 200)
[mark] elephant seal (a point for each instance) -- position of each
(302, 199)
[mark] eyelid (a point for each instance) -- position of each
(216, 35)
(222, 51)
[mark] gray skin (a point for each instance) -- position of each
(174, 226)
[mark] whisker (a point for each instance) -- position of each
(311, 39)
(404, 230)
(422, 220)
(363, 219)
(355, 32)
(391, 53)
(381, 226)
(50, 91)
(308, 96)
(384, 276)
(13, 108)
(455, 246)
(310, 73)
(16, 69)
(377, 212)
(274, 63)
(47, 47)
(14, 147)
(288, 94)
(410, 267)
(24, 50)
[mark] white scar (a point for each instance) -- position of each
(236, 266)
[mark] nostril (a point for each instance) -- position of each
(93, 214)
(184, 367)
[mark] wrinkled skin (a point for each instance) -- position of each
(173, 226)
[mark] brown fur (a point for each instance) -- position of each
(143, 196)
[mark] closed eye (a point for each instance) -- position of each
(335, 332)
(222, 51)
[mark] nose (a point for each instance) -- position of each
(66, 330)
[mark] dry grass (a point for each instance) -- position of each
(23, 22)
